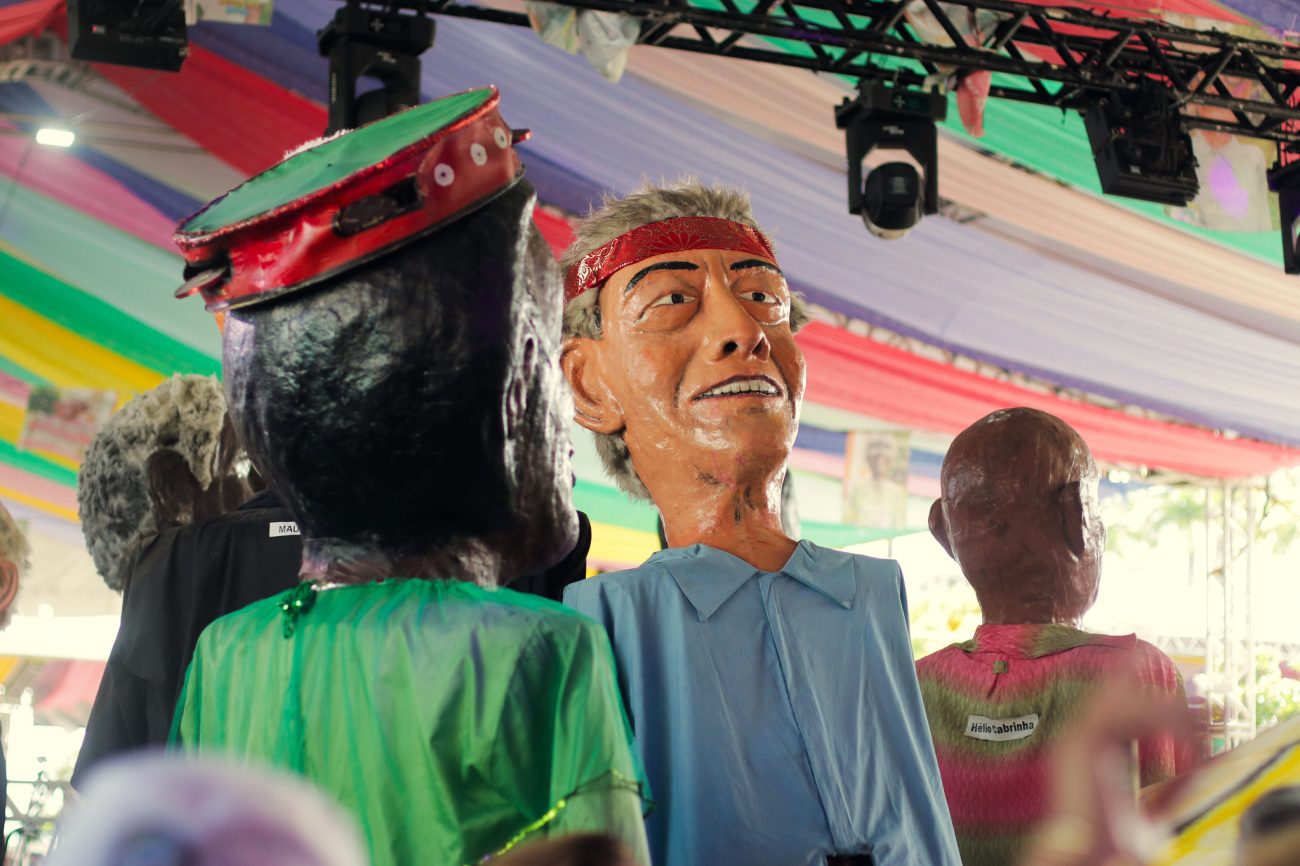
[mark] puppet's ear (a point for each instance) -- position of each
(939, 526)
(595, 406)
(1074, 518)
(173, 489)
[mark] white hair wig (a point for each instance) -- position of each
(184, 414)
(649, 203)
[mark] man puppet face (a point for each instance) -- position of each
(696, 362)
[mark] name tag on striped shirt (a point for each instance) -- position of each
(984, 728)
(286, 528)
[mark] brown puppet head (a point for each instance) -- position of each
(681, 354)
(1019, 513)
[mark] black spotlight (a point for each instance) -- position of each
(1141, 148)
(894, 195)
(381, 43)
(145, 33)
(1284, 179)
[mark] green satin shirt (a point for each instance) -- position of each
(452, 720)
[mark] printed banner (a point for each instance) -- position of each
(14, 391)
(229, 11)
(60, 422)
(875, 478)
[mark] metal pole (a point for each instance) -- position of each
(1231, 711)
(1251, 519)
(1210, 662)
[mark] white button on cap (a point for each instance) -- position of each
(478, 153)
(501, 138)
(443, 175)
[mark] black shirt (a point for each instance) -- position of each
(551, 582)
(178, 582)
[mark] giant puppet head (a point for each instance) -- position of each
(15, 554)
(392, 344)
(1019, 513)
(680, 343)
(167, 458)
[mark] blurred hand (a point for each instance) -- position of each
(1095, 819)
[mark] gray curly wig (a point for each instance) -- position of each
(184, 414)
(647, 204)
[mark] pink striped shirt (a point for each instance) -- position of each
(997, 703)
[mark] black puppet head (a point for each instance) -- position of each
(415, 401)
(392, 341)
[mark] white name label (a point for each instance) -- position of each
(984, 728)
(279, 529)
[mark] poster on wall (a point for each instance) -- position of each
(60, 422)
(875, 478)
(14, 391)
(257, 12)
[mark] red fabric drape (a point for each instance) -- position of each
(69, 687)
(238, 116)
(854, 373)
(21, 19)
(555, 229)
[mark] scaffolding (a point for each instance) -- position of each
(1066, 57)
(1231, 523)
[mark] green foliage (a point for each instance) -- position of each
(943, 616)
(1277, 697)
(1141, 517)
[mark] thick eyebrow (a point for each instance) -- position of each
(754, 263)
(660, 266)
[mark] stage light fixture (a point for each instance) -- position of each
(1141, 148)
(380, 43)
(894, 195)
(1284, 179)
(146, 33)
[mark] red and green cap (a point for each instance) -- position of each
(349, 199)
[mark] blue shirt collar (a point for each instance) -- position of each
(708, 576)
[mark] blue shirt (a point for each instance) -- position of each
(778, 715)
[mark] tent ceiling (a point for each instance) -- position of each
(979, 295)
(1073, 224)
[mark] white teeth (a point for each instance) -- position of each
(744, 386)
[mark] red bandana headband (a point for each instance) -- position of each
(667, 236)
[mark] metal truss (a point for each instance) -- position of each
(1231, 522)
(1068, 57)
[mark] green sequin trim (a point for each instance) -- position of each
(613, 779)
(295, 603)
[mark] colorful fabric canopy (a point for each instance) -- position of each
(975, 294)
(86, 266)
(864, 376)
